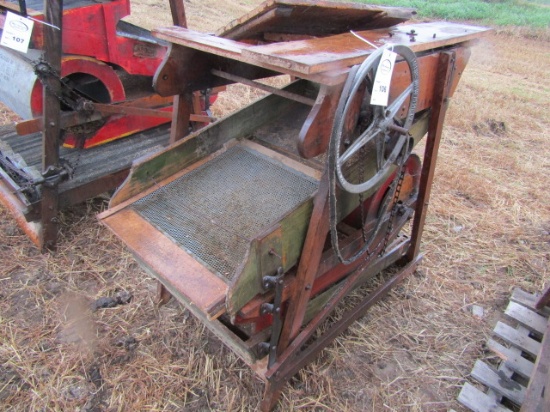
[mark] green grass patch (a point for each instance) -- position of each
(528, 13)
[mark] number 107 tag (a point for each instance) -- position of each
(17, 32)
(382, 79)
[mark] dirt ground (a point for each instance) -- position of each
(487, 232)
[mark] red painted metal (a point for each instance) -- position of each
(92, 46)
(92, 31)
(78, 64)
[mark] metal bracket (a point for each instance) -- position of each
(277, 283)
(53, 175)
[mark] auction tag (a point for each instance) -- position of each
(17, 32)
(382, 79)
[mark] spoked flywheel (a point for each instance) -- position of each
(369, 142)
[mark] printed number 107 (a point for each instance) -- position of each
(17, 39)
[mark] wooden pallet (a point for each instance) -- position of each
(524, 349)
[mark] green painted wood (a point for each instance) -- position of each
(148, 172)
(247, 282)
(317, 303)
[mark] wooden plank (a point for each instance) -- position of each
(181, 111)
(531, 320)
(169, 263)
(335, 52)
(264, 87)
(201, 41)
(512, 358)
(499, 383)
(313, 56)
(538, 391)
(513, 337)
(444, 77)
(307, 266)
(528, 300)
(477, 401)
(315, 18)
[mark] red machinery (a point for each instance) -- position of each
(97, 70)
(105, 60)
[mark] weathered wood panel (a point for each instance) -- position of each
(513, 337)
(317, 18)
(498, 382)
(528, 318)
(512, 358)
(477, 401)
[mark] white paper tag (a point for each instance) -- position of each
(382, 79)
(17, 32)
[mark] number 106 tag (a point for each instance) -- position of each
(17, 32)
(382, 79)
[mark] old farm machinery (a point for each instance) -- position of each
(262, 223)
(97, 69)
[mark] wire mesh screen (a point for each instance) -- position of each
(215, 210)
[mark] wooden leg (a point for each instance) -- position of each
(51, 127)
(181, 115)
(163, 295)
(439, 109)
(272, 392)
(307, 268)
(296, 356)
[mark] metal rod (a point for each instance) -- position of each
(23, 7)
(264, 87)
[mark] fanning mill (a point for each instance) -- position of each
(261, 224)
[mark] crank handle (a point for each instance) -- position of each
(398, 129)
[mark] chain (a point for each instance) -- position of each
(74, 101)
(44, 71)
(25, 181)
(361, 197)
(394, 208)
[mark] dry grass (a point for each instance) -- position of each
(488, 230)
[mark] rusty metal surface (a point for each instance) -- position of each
(88, 164)
(214, 210)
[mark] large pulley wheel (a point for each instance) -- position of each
(361, 129)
